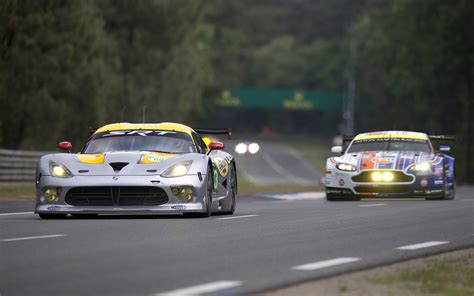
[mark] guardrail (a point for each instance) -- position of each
(18, 165)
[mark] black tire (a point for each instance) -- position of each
(207, 198)
(52, 216)
(85, 216)
(233, 189)
(447, 195)
(341, 198)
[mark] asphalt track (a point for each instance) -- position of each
(278, 165)
(269, 242)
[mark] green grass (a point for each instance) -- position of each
(247, 187)
(450, 277)
(20, 191)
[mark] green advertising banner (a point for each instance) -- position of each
(281, 99)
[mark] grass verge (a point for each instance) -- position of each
(448, 274)
(17, 191)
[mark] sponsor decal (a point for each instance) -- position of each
(215, 178)
(423, 182)
(382, 160)
(179, 207)
(54, 208)
(438, 182)
(142, 133)
(222, 166)
(341, 182)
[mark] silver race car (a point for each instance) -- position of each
(138, 169)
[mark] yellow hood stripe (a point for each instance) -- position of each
(91, 158)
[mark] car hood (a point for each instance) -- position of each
(389, 160)
(116, 163)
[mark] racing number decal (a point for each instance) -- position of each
(222, 166)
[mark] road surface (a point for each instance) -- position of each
(269, 242)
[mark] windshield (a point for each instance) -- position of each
(140, 140)
(390, 145)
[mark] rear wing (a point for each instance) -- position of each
(215, 131)
(442, 137)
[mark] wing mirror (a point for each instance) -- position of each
(336, 149)
(216, 145)
(65, 146)
(444, 148)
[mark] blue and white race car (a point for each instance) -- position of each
(390, 164)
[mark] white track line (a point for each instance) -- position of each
(372, 205)
(19, 213)
(237, 217)
(421, 245)
(203, 289)
(325, 263)
(31, 237)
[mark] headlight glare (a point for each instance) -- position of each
(346, 167)
(422, 167)
(177, 170)
(60, 171)
(377, 176)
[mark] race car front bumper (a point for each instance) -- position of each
(119, 194)
(353, 184)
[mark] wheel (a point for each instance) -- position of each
(230, 206)
(52, 216)
(341, 198)
(447, 195)
(85, 216)
(207, 198)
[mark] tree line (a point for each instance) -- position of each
(67, 65)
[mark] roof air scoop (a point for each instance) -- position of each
(118, 166)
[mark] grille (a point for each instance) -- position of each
(116, 196)
(365, 177)
(383, 189)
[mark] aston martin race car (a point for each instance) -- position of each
(390, 164)
(129, 168)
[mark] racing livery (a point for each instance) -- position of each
(390, 164)
(137, 169)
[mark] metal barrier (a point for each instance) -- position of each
(18, 165)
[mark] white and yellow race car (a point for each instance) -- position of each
(139, 169)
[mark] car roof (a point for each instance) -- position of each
(391, 134)
(163, 126)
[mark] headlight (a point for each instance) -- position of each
(241, 148)
(185, 192)
(177, 170)
(253, 148)
(60, 171)
(346, 167)
(51, 194)
(422, 167)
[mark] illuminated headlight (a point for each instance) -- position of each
(346, 167)
(388, 176)
(60, 171)
(51, 194)
(253, 148)
(177, 170)
(241, 148)
(377, 176)
(185, 192)
(422, 167)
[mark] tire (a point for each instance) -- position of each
(85, 216)
(447, 195)
(341, 198)
(52, 216)
(207, 198)
(233, 189)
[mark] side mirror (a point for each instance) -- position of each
(65, 146)
(336, 149)
(444, 148)
(215, 145)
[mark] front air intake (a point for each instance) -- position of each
(118, 166)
